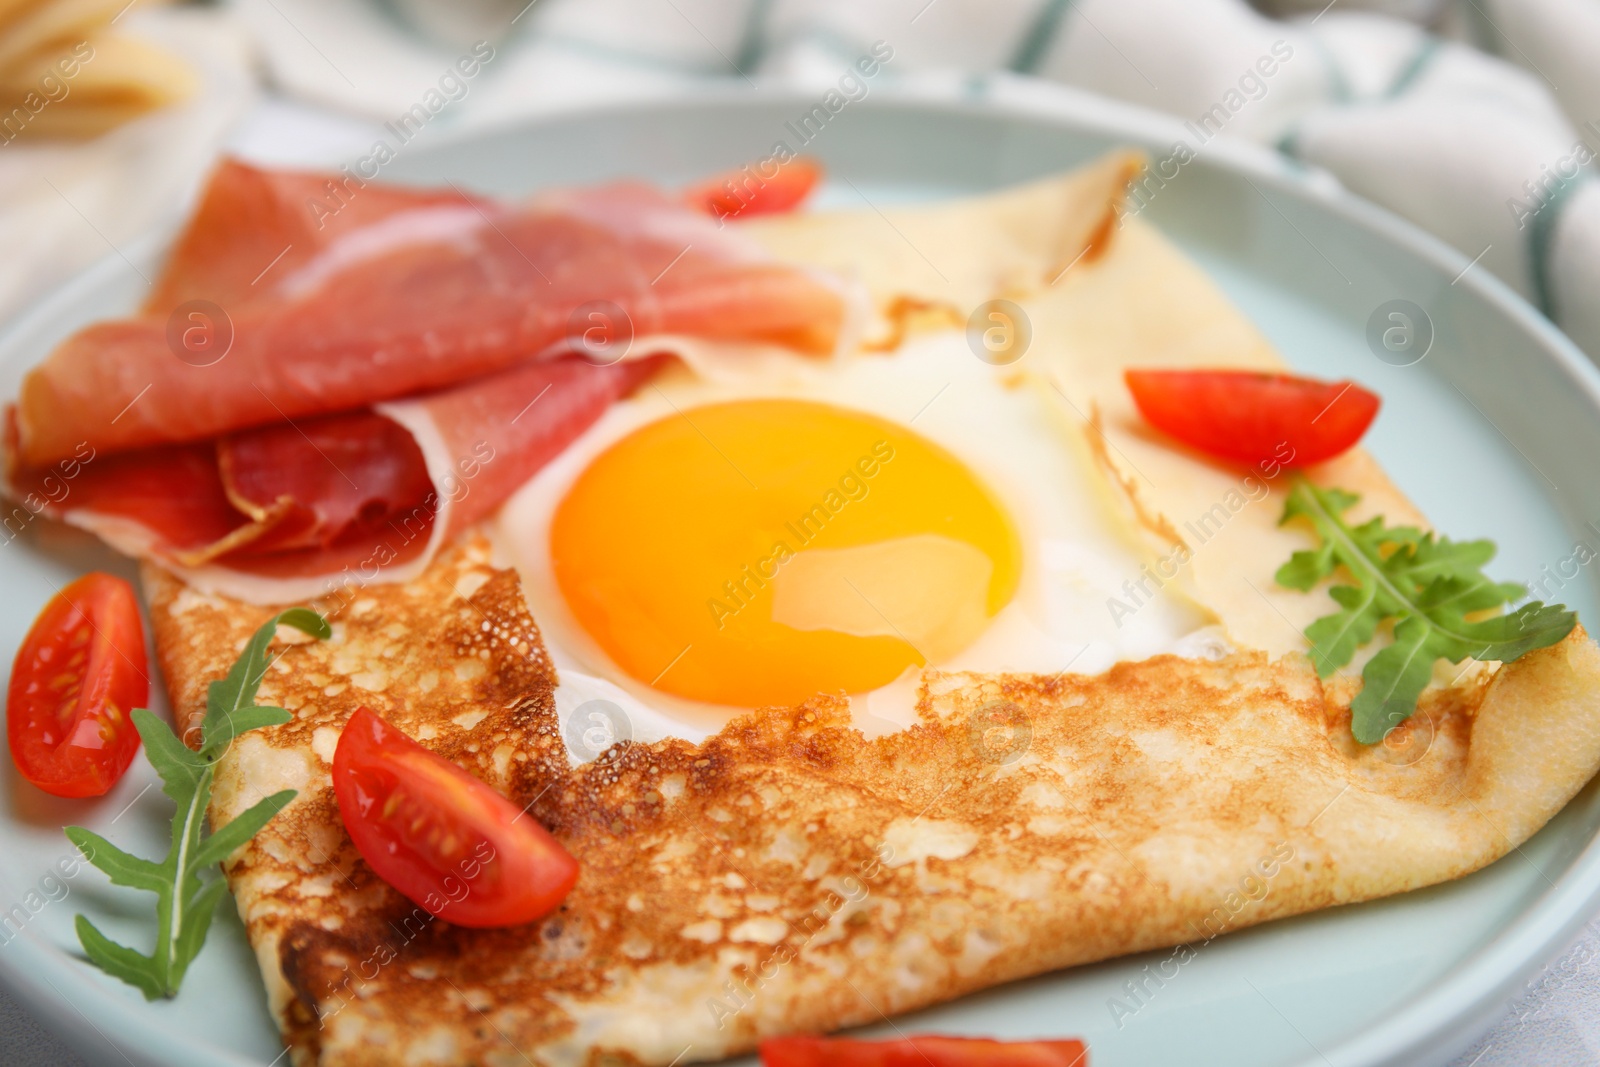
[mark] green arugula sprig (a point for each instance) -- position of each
(1429, 586)
(184, 903)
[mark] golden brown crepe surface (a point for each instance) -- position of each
(789, 875)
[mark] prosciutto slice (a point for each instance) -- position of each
(312, 484)
(376, 377)
(398, 293)
(275, 512)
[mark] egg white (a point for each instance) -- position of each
(1000, 421)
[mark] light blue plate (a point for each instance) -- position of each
(1494, 433)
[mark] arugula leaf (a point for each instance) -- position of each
(1430, 586)
(185, 903)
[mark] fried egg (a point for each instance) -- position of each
(722, 541)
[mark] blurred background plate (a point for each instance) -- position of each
(1490, 433)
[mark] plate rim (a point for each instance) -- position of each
(1433, 1023)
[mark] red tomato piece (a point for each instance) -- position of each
(1252, 417)
(79, 673)
(920, 1052)
(738, 194)
(447, 841)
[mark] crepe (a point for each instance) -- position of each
(789, 874)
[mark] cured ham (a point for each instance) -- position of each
(311, 484)
(397, 294)
(381, 375)
(273, 511)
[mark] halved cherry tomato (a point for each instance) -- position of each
(446, 840)
(738, 194)
(79, 673)
(920, 1052)
(1254, 418)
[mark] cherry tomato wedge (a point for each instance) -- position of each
(1254, 418)
(739, 194)
(79, 673)
(920, 1052)
(440, 836)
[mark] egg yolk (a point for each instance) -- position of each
(760, 552)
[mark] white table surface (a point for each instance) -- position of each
(1554, 1021)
